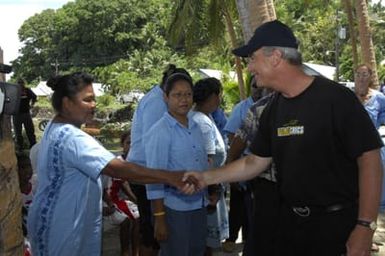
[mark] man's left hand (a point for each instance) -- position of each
(359, 242)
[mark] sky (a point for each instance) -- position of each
(12, 15)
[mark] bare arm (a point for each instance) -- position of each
(160, 227)
(236, 149)
(133, 172)
(370, 179)
(239, 170)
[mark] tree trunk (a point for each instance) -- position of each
(253, 13)
(348, 9)
(271, 9)
(11, 237)
(238, 63)
(365, 33)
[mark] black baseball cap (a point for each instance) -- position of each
(272, 33)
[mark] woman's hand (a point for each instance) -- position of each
(160, 228)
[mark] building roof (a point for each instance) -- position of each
(43, 90)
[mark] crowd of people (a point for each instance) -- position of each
(302, 155)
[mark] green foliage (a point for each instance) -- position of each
(114, 130)
(89, 33)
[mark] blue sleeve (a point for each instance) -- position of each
(153, 113)
(209, 138)
(234, 121)
(87, 155)
(381, 113)
(157, 155)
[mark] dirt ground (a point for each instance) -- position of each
(111, 241)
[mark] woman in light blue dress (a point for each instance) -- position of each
(207, 97)
(65, 216)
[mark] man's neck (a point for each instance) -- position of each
(293, 83)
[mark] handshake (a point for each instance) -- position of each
(187, 182)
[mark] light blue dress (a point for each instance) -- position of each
(375, 107)
(217, 222)
(65, 216)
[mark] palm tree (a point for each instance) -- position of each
(219, 16)
(348, 9)
(365, 34)
(253, 13)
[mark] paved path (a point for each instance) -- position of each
(111, 241)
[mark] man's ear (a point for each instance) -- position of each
(276, 57)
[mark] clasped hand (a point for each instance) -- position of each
(188, 182)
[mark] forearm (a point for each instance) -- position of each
(242, 169)
(370, 180)
(157, 206)
(136, 173)
(236, 149)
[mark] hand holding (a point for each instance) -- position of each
(195, 180)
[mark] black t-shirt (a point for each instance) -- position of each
(315, 139)
(26, 96)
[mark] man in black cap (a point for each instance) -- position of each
(324, 146)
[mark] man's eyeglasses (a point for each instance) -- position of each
(362, 74)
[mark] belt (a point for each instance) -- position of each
(306, 211)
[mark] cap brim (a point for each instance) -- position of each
(243, 51)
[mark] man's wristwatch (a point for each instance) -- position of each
(368, 224)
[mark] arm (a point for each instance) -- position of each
(370, 179)
(236, 148)
(133, 172)
(127, 190)
(160, 227)
(33, 97)
(239, 170)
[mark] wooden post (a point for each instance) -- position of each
(11, 235)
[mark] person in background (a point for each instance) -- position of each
(23, 117)
(263, 190)
(207, 98)
(119, 206)
(325, 148)
(150, 109)
(382, 86)
(220, 120)
(374, 103)
(175, 142)
(240, 203)
(65, 217)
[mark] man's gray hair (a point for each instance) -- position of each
(292, 55)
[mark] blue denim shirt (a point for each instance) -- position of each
(150, 109)
(173, 147)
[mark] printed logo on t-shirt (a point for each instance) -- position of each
(292, 128)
